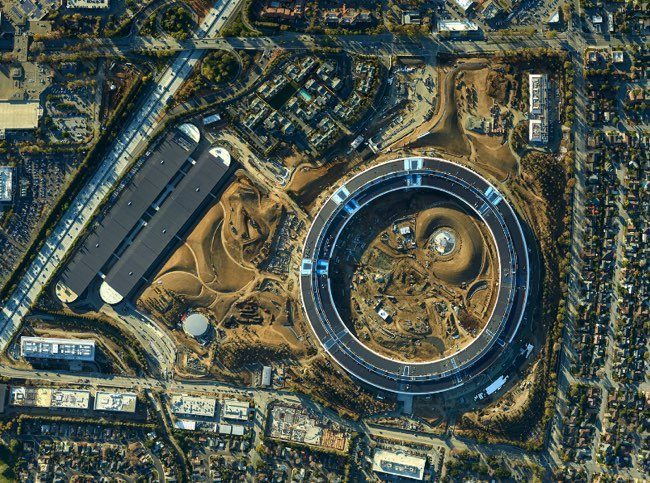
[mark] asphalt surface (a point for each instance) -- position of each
(478, 196)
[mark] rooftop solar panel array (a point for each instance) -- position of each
(107, 234)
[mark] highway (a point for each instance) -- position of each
(133, 137)
(158, 344)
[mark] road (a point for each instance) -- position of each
(128, 144)
(261, 397)
(158, 344)
(376, 45)
(379, 45)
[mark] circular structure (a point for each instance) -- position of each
(196, 325)
(221, 153)
(402, 177)
(444, 241)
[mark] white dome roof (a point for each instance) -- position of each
(196, 325)
(109, 294)
(444, 241)
(221, 153)
(191, 131)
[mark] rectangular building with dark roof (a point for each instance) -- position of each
(131, 211)
(174, 214)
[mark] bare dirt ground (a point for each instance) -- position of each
(216, 271)
(444, 130)
(470, 88)
(478, 99)
(405, 299)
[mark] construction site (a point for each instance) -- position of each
(416, 276)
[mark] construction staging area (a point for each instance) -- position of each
(162, 200)
(327, 256)
(415, 275)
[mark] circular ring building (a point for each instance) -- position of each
(477, 196)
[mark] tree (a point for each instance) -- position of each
(219, 66)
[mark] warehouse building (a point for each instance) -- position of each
(267, 372)
(3, 397)
(464, 5)
(457, 28)
(122, 402)
(6, 184)
(538, 109)
(88, 4)
(19, 115)
(234, 409)
(193, 406)
(54, 348)
(46, 397)
(185, 424)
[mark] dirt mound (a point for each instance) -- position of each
(402, 273)
(466, 262)
(249, 220)
(308, 181)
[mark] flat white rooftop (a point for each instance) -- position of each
(87, 3)
(46, 397)
(496, 385)
(193, 405)
(19, 114)
(55, 348)
(398, 464)
(464, 4)
(123, 402)
(6, 183)
(186, 424)
(234, 409)
(457, 26)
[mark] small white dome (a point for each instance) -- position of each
(444, 241)
(196, 325)
(191, 131)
